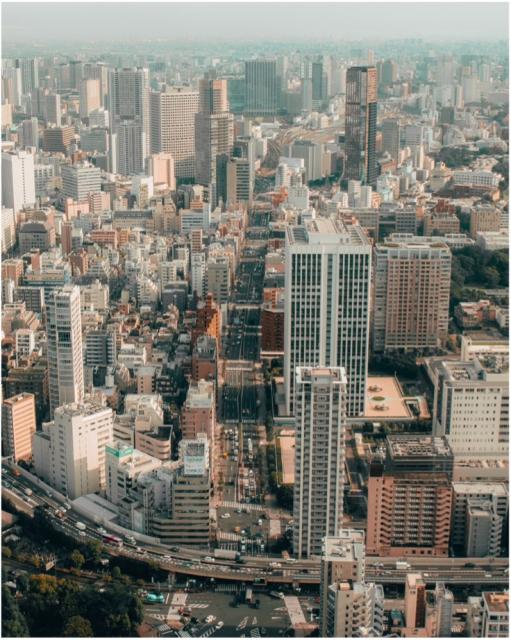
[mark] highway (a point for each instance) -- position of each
(190, 561)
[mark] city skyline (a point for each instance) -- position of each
(310, 21)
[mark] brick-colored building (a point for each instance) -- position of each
(204, 359)
(272, 327)
(408, 513)
(209, 319)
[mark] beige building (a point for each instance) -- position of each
(18, 426)
(173, 127)
(484, 218)
(69, 453)
(161, 168)
(411, 287)
(90, 97)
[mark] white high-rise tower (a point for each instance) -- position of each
(320, 411)
(328, 271)
(65, 359)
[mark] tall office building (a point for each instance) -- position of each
(70, 451)
(131, 145)
(173, 114)
(214, 131)
(12, 85)
(327, 283)
(320, 423)
(361, 113)
(391, 133)
(79, 180)
(90, 96)
(239, 182)
(18, 426)
(65, 359)
(388, 73)
(128, 98)
(261, 88)
(29, 68)
(412, 277)
(30, 133)
(348, 606)
(18, 181)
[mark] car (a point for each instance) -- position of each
(102, 530)
(469, 565)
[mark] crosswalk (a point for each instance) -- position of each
(255, 633)
(230, 504)
(207, 633)
(198, 605)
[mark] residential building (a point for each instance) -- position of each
(18, 426)
(123, 466)
(199, 411)
(484, 218)
(408, 513)
(65, 359)
(18, 183)
(320, 414)
(415, 601)
(327, 289)
(410, 294)
(161, 167)
(69, 453)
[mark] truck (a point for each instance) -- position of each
(226, 554)
(80, 526)
(402, 565)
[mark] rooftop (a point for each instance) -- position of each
(327, 231)
(496, 602)
(348, 545)
(418, 446)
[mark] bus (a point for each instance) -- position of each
(113, 540)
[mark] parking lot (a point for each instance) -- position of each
(213, 613)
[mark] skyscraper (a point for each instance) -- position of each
(65, 359)
(214, 131)
(131, 145)
(29, 68)
(361, 113)
(173, 114)
(18, 181)
(390, 130)
(327, 283)
(319, 457)
(261, 87)
(128, 96)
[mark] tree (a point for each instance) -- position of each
(78, 627)
(77, 559)
(6, 552)
(491, 277)
(116, 573)
(13, 622)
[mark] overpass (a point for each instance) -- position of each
(192, 562)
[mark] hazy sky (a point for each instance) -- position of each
(26, 22)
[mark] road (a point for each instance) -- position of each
(191, 561)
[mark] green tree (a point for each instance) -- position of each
(6, 552)
(77, 559)
(116, 573)
(13, 622)
(78, 627)
(491, 277)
